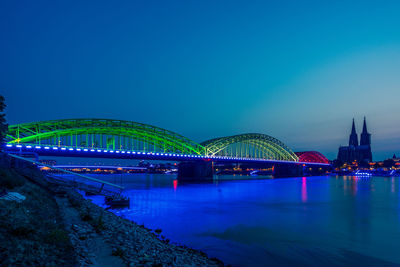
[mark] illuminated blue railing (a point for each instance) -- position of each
(136, 154)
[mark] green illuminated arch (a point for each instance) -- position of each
(104, 134)
(251, 145)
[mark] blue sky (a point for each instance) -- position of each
(297, 70)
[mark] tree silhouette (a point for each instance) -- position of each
(3, 124)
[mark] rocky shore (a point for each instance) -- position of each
(56, 226)
(134, 244)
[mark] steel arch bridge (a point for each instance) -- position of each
(102, 134)
(252, 145)
(107, 135)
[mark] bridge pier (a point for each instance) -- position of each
(282, 170)
(195, 170)
(316, 170)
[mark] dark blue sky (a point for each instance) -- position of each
(297, 70)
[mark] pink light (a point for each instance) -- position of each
(304, 189)
(312, 157)
(354, 185)
(175, 184)
(393, 184)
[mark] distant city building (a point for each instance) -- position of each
(360, 153)
(48, 162)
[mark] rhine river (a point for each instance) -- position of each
(258, 222)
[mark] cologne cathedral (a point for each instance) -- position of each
(355, 152)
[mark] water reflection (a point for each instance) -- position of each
(304, 189)
(393, 185)
(254, 222)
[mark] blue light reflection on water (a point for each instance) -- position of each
(254, 222)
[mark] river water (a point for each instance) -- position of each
(247, 221)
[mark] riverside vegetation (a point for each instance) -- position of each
(56, 226)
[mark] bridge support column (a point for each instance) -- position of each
(316, 170)
(282, 170)
(195, 170)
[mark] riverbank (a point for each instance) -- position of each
(58, 227)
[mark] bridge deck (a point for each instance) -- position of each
(121, 154)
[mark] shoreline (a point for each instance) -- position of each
(133, 243)
(54, 220)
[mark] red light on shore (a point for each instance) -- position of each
(175, 184)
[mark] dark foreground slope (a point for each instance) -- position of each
(55, 226)
(32, 232)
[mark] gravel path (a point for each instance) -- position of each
(91, 248)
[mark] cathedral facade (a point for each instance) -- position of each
(356, 152)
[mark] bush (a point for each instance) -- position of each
(99, 225)
(86, 216)
(75, 200)
(118, 252)
(57, 236)
(21, 231)
(9, 179)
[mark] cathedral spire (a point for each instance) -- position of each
(353, 129)
(365, 131)
(365, 139)
(353, 140)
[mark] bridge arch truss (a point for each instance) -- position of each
(102, 134)
(312, 157)
(251, 145)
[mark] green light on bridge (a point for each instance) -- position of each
(133, 136)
